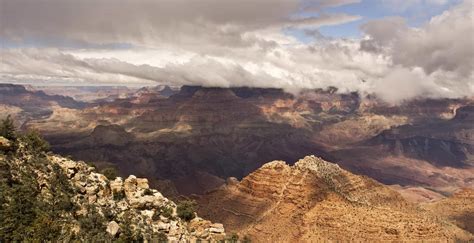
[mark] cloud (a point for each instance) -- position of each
(439, 55)
(322, 20)
(52, 63)
(230, 43)
(153, 22)
(446, 43)
(318, 5)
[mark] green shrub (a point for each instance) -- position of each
(160, 238)
(165, 211)
(127, 233)
(118, 195)
(234, 238)
(7, 129)
(148, 192)
(110, 173)
(186, 209)
(108, 214)
(88, 163)
(34, 142)
(93, 226)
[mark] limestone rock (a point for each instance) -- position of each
(217, 228)
(116, 185)
(113, 228)
(117, 200)
(161, 226)
(142, 183)
(231, 181)
(4, 143)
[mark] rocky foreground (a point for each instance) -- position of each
(49, 197)
(315, 200)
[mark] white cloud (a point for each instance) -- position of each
(153, 22)
(239, 43)
(445, 43)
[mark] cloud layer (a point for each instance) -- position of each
(235, 43)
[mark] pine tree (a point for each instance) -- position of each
(7, 129)
(35, 143)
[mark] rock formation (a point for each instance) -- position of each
(124, 204)
(315, 200)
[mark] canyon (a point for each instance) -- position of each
(206, 135)
(396, 172)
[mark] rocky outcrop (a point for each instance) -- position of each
(134, 197)
(315, 200)
(125, 203)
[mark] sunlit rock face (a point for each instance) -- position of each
(315, 200)
(443, 143)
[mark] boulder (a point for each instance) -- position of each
(217, 228)
(122, 205)
(142, 183)
(147, 213)
(161, 226)
(231, 181)
(4, 143)
(130, 186)
(116, 185)
(113, 228)
(92, 189)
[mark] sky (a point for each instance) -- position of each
(395, 49)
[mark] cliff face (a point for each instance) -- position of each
(315, 200)
(86, 205)
(443, 143)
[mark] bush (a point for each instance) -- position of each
(160, 238)
(127, 232)
(93, 226)
(88, 162)
(165, 211)
(118, 195)
(148, 192)
(234, 238)
(186, 209)
(35, 142)
(108, 214)
(110, 173)
(7, 129)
